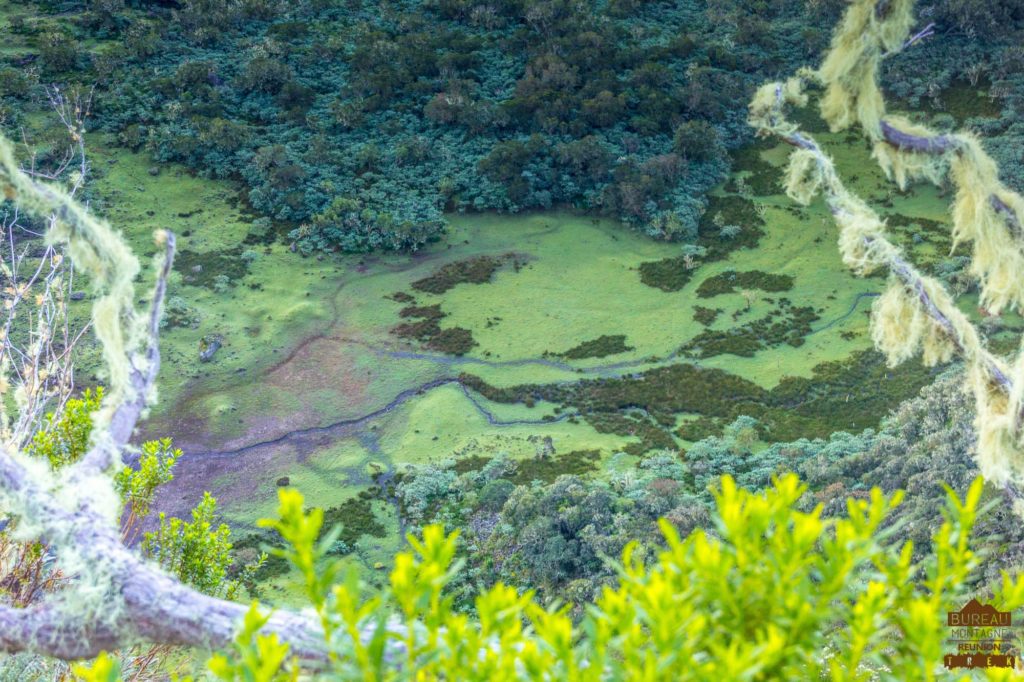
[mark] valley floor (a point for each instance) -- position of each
(337, 370)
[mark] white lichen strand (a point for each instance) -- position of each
(997, 260)
(849, 71)
(98, 250)
(897, 324)
(916, 314)
(1000, 451)
(803, 177)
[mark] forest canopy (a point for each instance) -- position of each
(356, 125)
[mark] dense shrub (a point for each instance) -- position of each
(548, 534)
(775, 593)
(625, 108)
(400, 115)
(696, 140)
(59, 51)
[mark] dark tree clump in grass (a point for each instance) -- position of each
(600, 347)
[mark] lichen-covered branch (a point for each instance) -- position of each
(139, 602)
(53, 632)
(945, 144)
(114, 598)
(916, 314)
(1013, 221)
(917, 144)
(985, 213)
(874, 250)
(143, 369)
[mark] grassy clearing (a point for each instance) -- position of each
(309, 343)
(305, 340)
(267, 307)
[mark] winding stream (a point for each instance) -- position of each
(853, 308)
(339, 428)
(343, 427)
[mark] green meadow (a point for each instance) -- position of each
(316, 385)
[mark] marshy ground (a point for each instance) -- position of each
(338, 370)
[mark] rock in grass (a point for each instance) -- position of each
(208, 346)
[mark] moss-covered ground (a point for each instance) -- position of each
(317, 383)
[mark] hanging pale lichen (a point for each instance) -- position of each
(997, 261)
(907, 166)
(897, 324)
(98, 250)
(916, 314)
(901, 329)
(861, 236)
(1000, 452)
(936, 346)
(803, 177)
(851, 65)
(764, 107)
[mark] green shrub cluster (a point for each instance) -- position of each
(774, 593)
(478, 270)
(705, 316)
(728, 282)
(602, 346)
(427, 329)
(542, 524)
(846, 395)
(360, 124)
(788, 324)
(716, 243)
